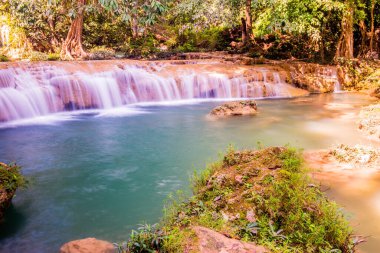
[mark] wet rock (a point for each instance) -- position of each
(6, 195)
(236, 108)
(210, 241)
(5, 201)
(314, 77)
(88, 245)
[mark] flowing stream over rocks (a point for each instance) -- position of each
(29, 90)
(99, 174)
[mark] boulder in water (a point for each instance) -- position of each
(88, 245)
(235, 108)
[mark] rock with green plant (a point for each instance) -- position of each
(10, 180)
(261, 200)
(235, 108)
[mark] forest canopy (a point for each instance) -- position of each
(319, 30)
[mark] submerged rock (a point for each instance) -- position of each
(236, 108)
(88, 245)
(210, 241)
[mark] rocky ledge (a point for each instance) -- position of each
(369, 121)
(344, 163)
(235, 108)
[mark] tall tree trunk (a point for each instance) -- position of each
(72, 47)
(248, 18)
(244, 36)
(134, 26)
(363, 45)
(54, 41)
(372, 26)
(345, 47)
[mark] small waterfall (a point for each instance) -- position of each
(37, 90)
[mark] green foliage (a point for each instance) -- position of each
(102, 53)
(274, 204)
(140, 47)
(3, 58)
(294, 214)
(11, 177)
(146, 239)
(291, 213)
(53, 57)
(38, 56)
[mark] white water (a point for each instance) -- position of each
(40, 90)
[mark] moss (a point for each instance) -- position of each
(263, 196)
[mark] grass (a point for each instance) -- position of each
(263, 196)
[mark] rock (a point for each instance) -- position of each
(369, 121)
(6, 194)
(251, 216)
(236, 108)
(376, 93)
(5, 201)
(315, 78)
(88, 245)
(210, 241)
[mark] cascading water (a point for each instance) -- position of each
(37, 90)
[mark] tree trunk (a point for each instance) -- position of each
(345, 47)
(134, 26)
(363, 44)
(372, 26)
(54, 41)
(244, 36)
(72, 47)
(248, 18)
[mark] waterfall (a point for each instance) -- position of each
(41, 89)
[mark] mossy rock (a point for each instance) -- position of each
(260, 199)
(265, 197)
(10, 180)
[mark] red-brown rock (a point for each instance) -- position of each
(88, 245)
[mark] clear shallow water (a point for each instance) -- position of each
(99, 176)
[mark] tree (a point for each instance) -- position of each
(129, 10)
(72, 47)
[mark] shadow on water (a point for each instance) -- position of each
(14, 221)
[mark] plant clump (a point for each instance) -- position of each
(265, 197)
(10, 180)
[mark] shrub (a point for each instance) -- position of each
(10, 177)
(53, 57)
(3, 58)
(37, 56)
(102, 53)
